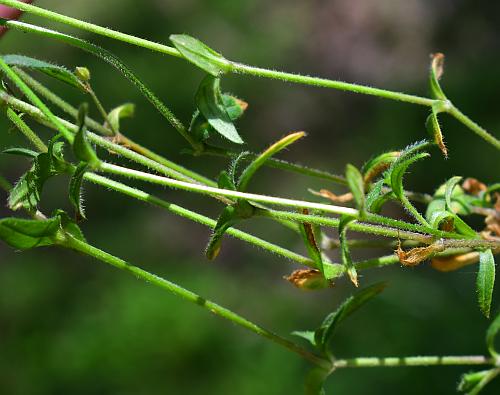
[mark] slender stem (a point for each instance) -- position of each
(481, 132)
(183, 212)
(26, 130)
(412, 361)
(35, 100)
(80, 246)
(233, 66)
(100, 107)
(413, 211)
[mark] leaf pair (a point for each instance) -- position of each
(24, 234)
(215, 112)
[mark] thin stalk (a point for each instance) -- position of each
(26, 130)
(481, 132)
(413, 211)
(333, 244)
(87, 249)
(375, 362)
(240, 68)
(25, 89)
(232, 66)
(100, 107)
(193, 216)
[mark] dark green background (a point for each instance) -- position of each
(69, 324)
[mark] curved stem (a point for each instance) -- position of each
(87, 249)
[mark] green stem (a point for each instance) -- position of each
(413, 211)
(87, 249)
(35, 100)
(100, 107)
(181, 211)
(234, 67)
(412, 361)
(26, 130)
(481, 132)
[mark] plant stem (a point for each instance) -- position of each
(35, 100)
(481, 132)
(181, 211)
(412, 361)
(26, 130)
(87, 249)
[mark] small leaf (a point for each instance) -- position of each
(356, 185)
(200, 54)
(280, 145)
(450, 186)
(434, 129)
(52, 70)
(21, 152)
(315, 380)
(235, 107)
(69, 226)
(485, 281)
(307, 232)
(435, 74)
(126, 110)
(325, 332)
(472, 383)
(210, 103)
(75, 188)
(344, 249)
(399, 171)
(373, 203)
(24, 234)
(81, 147)
(307, 335)
(491, 334)
(226, 181)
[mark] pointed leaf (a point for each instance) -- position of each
(126, 110)
(209, 102)
(377, 165)
(450, 186)
(485, 281)
(81, 146)
(21, 152)
(227, 219)
(325, 332)
(434, 129)
(52, 70)
(309, 237)
(23, 234)
(307, 335)
(200, 54)
(75, 189)
(356, 185)
(226, 181)
(280, 145)
(344, 249)
(399, 171)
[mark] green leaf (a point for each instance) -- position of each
(210, 103)
(75, 188)
(227, 219)
(315, 380)
(344, 249)
(307, 335)
(485, 281)
(200, 54)
(24, 234)
(235, 107)
(21, 152)
(356, 185)
(375, 199)
(81, 146)
(52, 70)
(325, 332)
(226, 181)
(434, 129)
(491, 334)
(309, 238)
(435, 74)
(469, 381)
(450, 186)
(69, 225)
(399, 170)
(126, 110)
(260, 160)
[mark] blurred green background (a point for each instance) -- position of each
(72, 325)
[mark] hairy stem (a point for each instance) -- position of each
(412, 361)
(87, 249)
(26, 130)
